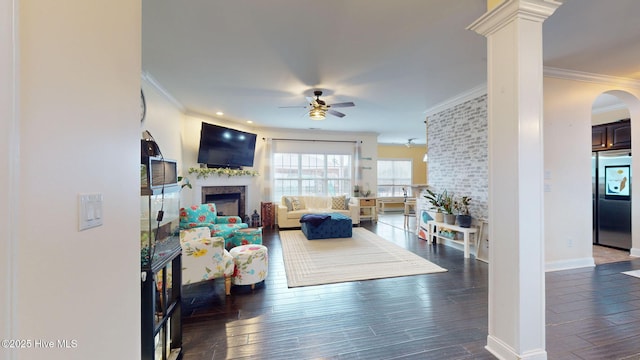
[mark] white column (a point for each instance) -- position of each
(9, 172)
(516, 255)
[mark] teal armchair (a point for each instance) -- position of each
(207, 215)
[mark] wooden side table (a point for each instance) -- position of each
(368, 209)
(268, 214)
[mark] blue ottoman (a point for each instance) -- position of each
(335, 226)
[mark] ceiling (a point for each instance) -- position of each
(394, 59)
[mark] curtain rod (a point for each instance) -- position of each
(313, 140)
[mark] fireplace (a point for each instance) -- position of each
(229, 200)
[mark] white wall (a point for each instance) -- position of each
(163, 121)
(79, 86)
(8, 169)
(567, 152)
(609, 116)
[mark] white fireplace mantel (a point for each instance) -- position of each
(251, 182)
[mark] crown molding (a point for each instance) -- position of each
(495, 19)
(590, 77)
(549, 72)
(149, 79)
(458, 99)
(197, 114)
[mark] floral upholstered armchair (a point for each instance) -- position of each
(204, 257)
(207, 215)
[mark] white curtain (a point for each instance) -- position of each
(357, 163)
(267, 191)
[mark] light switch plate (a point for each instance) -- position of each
(89, 211)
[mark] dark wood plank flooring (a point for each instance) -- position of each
(592, 313)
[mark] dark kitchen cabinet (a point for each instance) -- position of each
(611, 136)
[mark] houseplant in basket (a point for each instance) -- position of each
(436, 204)
(447, 207)
(462, 206)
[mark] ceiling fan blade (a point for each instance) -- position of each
(344, 104)
(292, 107)
(335, 113)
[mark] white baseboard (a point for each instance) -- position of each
(549, 266)
(569, 264)
(635, 252)
(504, 352)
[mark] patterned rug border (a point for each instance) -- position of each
(365, 256)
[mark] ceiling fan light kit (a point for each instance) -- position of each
(317, 114)
(319, 108)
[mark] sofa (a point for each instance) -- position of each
(291, 208)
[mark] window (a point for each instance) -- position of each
(393, 176)
(311, 174)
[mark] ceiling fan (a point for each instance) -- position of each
(318, 108)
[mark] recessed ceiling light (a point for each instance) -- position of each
(249, 122)
(219, 113)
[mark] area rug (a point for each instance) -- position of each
(634, 273)
(364, 256)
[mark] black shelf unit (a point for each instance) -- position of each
(161, 273)
(162, 305)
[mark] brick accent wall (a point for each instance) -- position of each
(458, 153)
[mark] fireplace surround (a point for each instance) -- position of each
(229, 200)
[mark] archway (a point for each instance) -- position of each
(612, 169)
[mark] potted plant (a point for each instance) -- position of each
(447, 207)
(462, 206)
(436, 205)
(186, 182)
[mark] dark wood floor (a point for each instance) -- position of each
(592, 313)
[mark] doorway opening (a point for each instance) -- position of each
(611, 165)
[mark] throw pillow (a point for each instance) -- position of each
(293, 203)
(297, 204)
(339, 203)
(287, 202)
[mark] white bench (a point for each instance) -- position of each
(432, 229)
(390, 204)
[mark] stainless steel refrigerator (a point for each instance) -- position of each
(611, 186)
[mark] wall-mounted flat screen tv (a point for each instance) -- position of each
(225, 147)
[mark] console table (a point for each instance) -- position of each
(432, 229)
